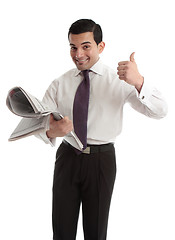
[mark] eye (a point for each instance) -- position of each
(73, 49)
(86, 47)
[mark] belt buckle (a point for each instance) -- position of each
(87, 150)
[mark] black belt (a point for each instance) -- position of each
(94, 148)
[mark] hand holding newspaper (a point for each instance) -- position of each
(36, 115)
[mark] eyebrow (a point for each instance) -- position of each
(71, 44)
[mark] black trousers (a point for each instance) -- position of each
(86, 179)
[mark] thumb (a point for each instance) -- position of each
(51, 118)
(132, 57)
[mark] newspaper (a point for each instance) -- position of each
(36, 115)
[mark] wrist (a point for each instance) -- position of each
(49, 134)
(139, 84)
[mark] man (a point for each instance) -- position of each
(87, 177)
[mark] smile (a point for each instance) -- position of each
(81, 60)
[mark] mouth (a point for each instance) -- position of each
(81, 61)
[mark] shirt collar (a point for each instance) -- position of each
(96, 68)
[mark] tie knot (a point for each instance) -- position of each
(85, 73)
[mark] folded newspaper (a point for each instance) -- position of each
(36, 116)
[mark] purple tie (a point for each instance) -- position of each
(80, 109)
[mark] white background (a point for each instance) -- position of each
(34, 51)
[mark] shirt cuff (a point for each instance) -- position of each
(43, 136)
(145, 93)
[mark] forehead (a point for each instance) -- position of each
(78, 39)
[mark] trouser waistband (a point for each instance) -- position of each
(94, 148)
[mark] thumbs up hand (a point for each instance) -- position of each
(128, 71)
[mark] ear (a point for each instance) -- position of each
(101, 47)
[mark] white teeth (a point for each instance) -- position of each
(83, 60)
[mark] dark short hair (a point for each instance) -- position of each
(87, 25)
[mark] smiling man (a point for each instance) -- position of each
(91, 97)
(84, 50)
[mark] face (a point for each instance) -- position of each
(84, 50)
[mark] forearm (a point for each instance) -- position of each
(149, 102)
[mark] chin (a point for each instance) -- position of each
(82, 67)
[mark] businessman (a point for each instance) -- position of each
(91, 97)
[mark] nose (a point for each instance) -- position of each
(79, 53)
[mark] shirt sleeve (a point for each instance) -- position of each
(50, 103)
(149, 101)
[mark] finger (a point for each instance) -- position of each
(121, 72)
(132, 57)
(122, 67)
(122, 78)
(123, 63)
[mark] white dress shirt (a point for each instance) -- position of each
(108, 94)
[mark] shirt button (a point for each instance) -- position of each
(143, 97)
